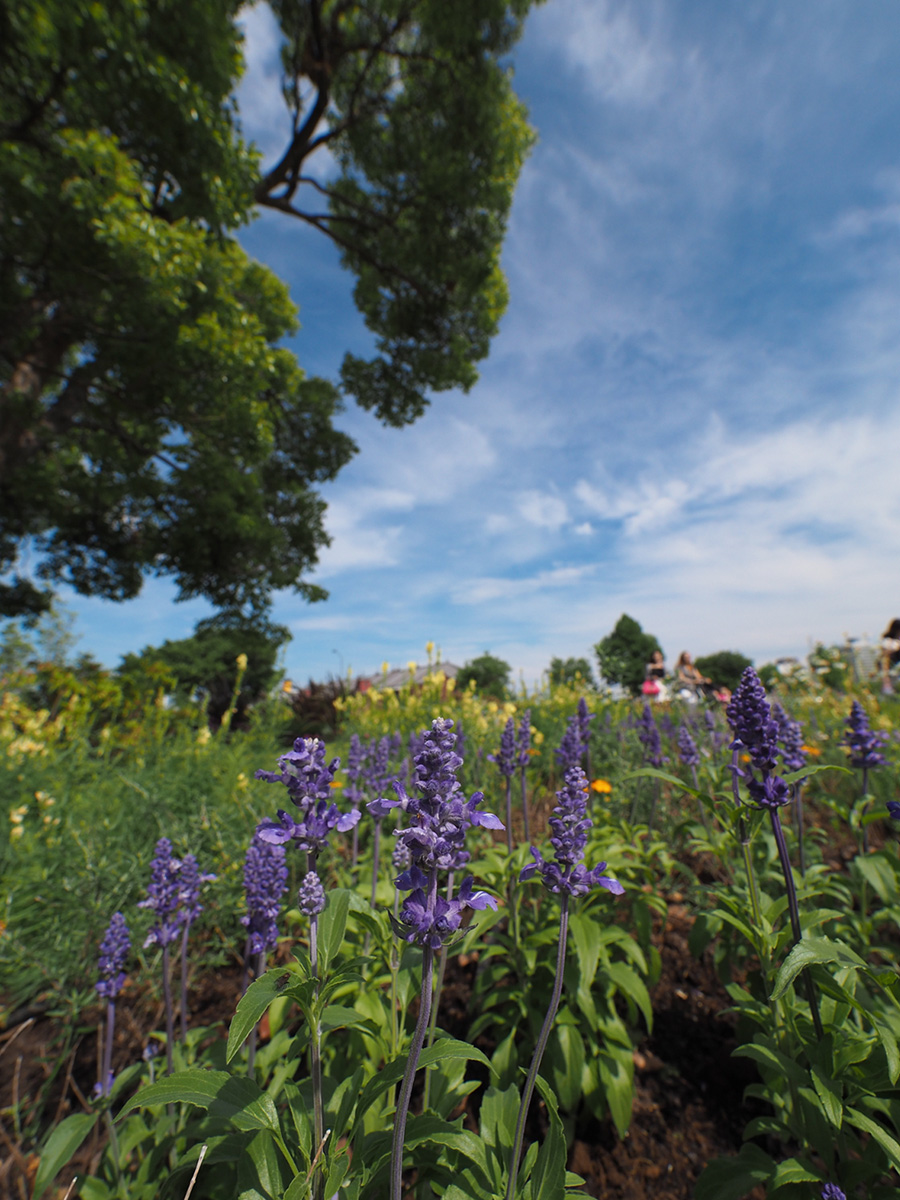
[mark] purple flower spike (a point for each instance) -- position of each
(751, 720)
(831, 1191)
(505, 758)
(687, 748)
(311, 896)
(648, 733)
(434, 837)
(568, 753)
(308, 781)
(790, 735)
(190, 880)
(523, 740)
(863, 743)
(114, 950)
(265, 880)
(163, 896)
(894, 809)
(566, 872)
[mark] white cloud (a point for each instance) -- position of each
(543, 510)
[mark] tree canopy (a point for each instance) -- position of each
(489, 674)
(149, 419)
(623, 654)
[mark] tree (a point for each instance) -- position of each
(207, 662)
(623, 654)
(489, 674)
(569, 670)
(149, 420)
(724, 668)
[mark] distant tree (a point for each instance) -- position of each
(490, 674)
(623, 654)
(48, 638)
(724, 668)
(205, 664)
(569, 669)
(832, 666)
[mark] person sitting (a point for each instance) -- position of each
(688, 679)
(654, 676)
(890, 654)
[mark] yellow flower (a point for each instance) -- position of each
(509, 708)
(385, 667)
(429, 648)
(242, 780)
(538, 737)
(203, 735)
(411, 667)
(241, 661)
(493, 706)
(17, 816)
(287, 686)
(601, 785)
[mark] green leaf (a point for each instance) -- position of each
(60, 1146)
(629, 982)
(251, 1006)
(888, 1144)
(393, 1072)
(617, 1080)
(809, 951)
(339, 1016)
(652, 773)
(548, 1179)
(829, 1094)
(233, 1099)
(792, 1170)
(259, 1171)
(733, 1178)
(567, 1064)
(332, 926)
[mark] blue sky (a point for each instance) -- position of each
(690, 413)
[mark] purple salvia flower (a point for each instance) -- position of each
(648, 733)
(355, 758)
(190, 880)
(114, 950)
(790, 736)
(687, 748)
(438, 818)
(584, 722)
(311, 895)
(831, 1191)
(401, 859)
(568, 753)
(505, 758)
(460, 746)
(308, 781)
(163, 896)
(752, 722)
(566, 872)
(523, 740)
(863, 743)
(667, 725)
(265, 881)
(894, 810)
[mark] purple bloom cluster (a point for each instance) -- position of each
(863, 743)
(505, 758)
(650, 739)
(265, 881)
(114, 950)
(190, 880)
(308, 780)
(438, 818)
(751, 720)
(790, 736)
(566, 871)
(831, 1191)
(523, 740)
(756, 731)
(687, 748)
(164, 896)
(569, 752)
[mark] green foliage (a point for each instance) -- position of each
(571, 670)
(623, 654)
(206, 663)
(47, 638)
(724, 668)
(153, 422)
(831, 665)
(489, 674)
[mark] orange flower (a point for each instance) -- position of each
(532, 751)
(601, 785)
(813, 750)
(745, 758)
(335, 783)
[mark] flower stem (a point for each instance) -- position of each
(794, 911)
(436, 1001)
(184, 980)
(509, 836)
(525, 805)
(539, 1049)
(108, 1047)
(315, 1056)
(170, 1016)
(409, 1075)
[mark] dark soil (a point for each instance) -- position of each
(688, 1090)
